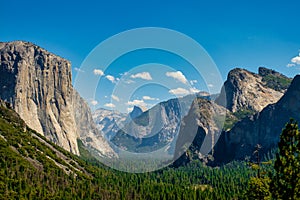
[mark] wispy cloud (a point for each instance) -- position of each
(78, 69)
(142, 75)
(150, 98)
(110, 78)
(129, 81)
(210, 85)
(129, 109)
(110, 105)
(291, 65)
(296, 60)
(178, 75)
(98, 72)
(137, 102)
(193, 82)
(94, 102)
(194, 90)
(179, 91)
(114, 97)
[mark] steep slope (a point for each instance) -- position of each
(246, 94)
(244, 90)
(152, 129)
(108, 122)
(34, 168)
(199, 131)
(38, 84)
(157, 127)
(137, 111)
(28, 161)
(263, 128)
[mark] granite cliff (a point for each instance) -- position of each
(263, 128)
(244, 90)
(38, 85)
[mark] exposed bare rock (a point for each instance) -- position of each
(244, 90)
(109, 122)
(200, 129)
(38, 84)
(264, 128)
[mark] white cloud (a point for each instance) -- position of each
(291, 65)
(98, 72)
(137, 102)
(210, 85)
(193, 82)
(129, 81)
(150, 98)
(114, 97)
(179, 91)
(110, 78)
(178, 76)
(194, 90)
(110, 105)
(296, 60)
(78, 69)
(94, 102)
(142, 75)
(129, 109)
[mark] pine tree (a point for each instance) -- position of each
(286, 181)
(258, 187)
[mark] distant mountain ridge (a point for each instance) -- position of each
(109, 122)
(157, 127)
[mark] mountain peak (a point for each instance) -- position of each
(244, 90)
(137, 111)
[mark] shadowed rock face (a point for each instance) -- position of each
(200, 129)
(137, 111)
(38, 84)
(244, 90)
(263, 128)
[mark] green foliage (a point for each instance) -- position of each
(229, 122)
(277, 82)
(286, 181)
(232, 118)
(27, 173)
(258, 188)
(31, 170)
(240, 114)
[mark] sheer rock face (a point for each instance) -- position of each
(244, 90)
(137, 111)
(38, 84)
(264, 128)
(199, 131)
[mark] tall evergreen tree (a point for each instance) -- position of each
(286, 181)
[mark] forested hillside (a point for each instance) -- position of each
(33, 168)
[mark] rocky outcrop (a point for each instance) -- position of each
(137, 111)
(38, 84)
(151, 130)
(109, 122)
(199, 131)
(157, 127)
(244, 90)
(263, 128)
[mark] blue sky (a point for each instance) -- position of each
(245, 34)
